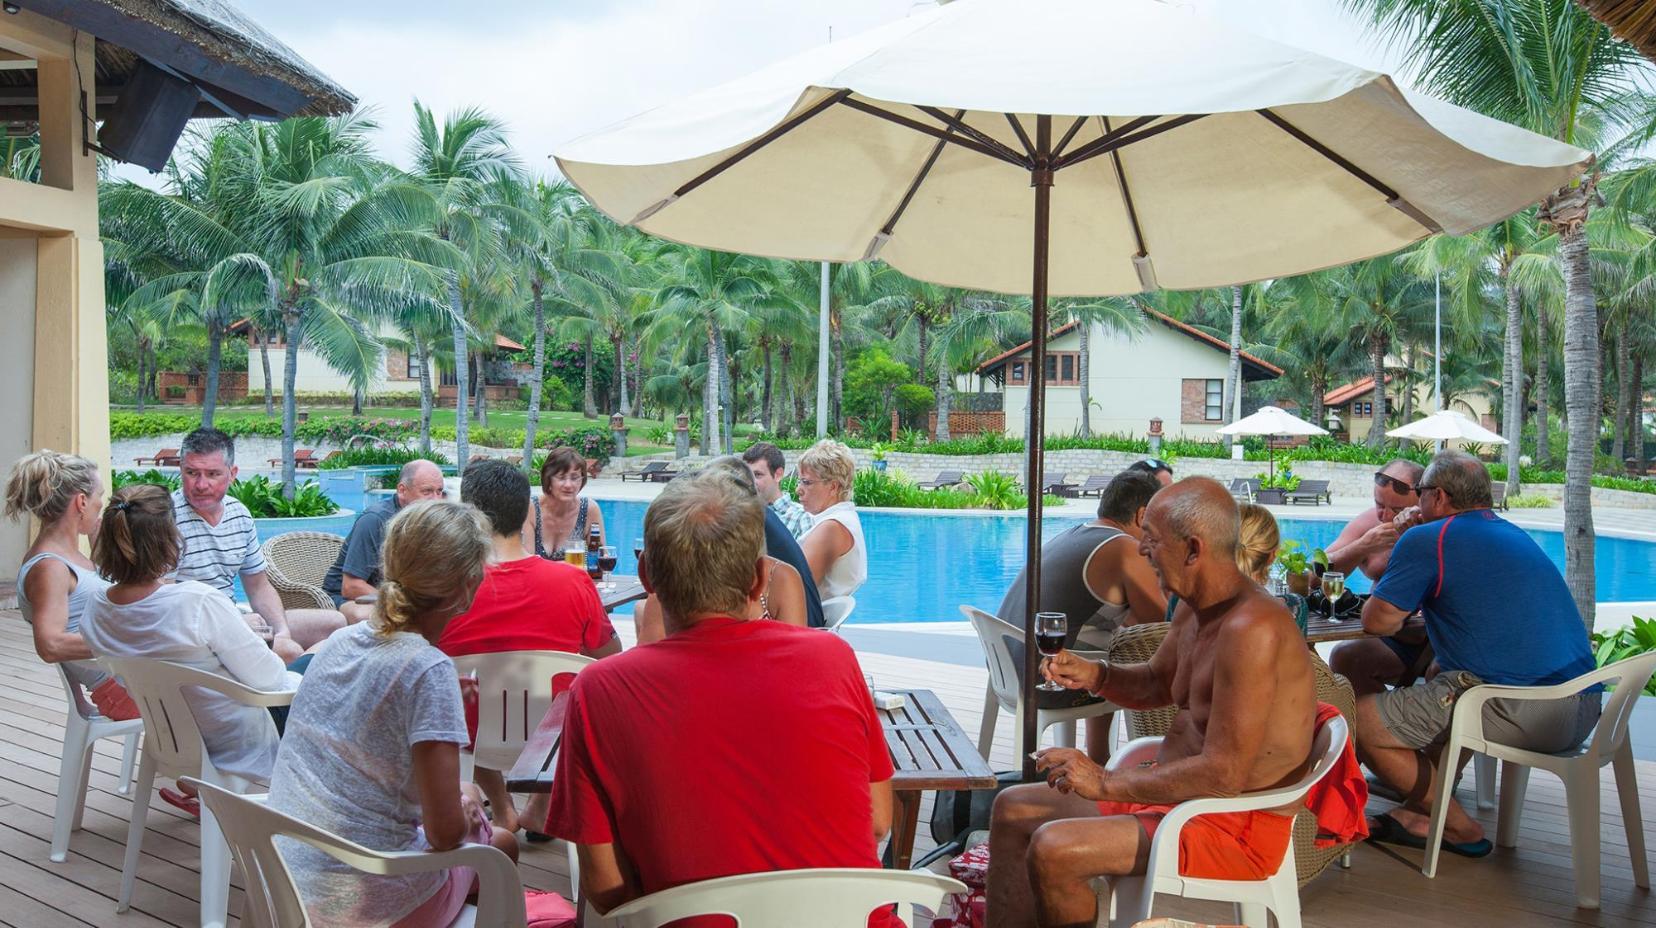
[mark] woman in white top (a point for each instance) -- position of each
(55, 580)
(187, 623)
(834, 546)
(372, 750)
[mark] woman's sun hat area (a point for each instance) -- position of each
(1294, 416)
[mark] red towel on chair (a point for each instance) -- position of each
(1339, 797)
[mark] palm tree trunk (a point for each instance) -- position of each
(1512, 376)
(790, 398)
(1409, 387)
(215, 352)
(269, 387)
(1581, 401)
(537, 383)
(423, 352)
(765, 410)
(1086, 379)
(356, 401)
(920, 367)
(836, 387)
(710, 393)
(945, 395)
(1621, 424)
(143, 362)
(1319, 411)
(621, 403)
(1635, 421)
(462, 377)
(1543, 385)
(727, 398)
(1233, 375)
(480, 404)
(1377, 366)
(588, 407)
(290, 400)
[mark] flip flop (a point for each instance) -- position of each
(186, 804)
(536, 837)
(1384, 829)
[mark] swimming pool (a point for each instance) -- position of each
(921, 568)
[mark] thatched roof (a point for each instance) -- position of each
(242, 70)
(1633, 21)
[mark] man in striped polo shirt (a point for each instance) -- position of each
(220, 542)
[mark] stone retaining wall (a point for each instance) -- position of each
(253, 452)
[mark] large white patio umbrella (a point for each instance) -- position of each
(1064, 147)
(1270, 421)
(1447, 425)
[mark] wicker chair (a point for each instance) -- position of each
(1136, 643)
(298, 563)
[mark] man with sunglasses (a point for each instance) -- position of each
(1366, 544)
(1155, 467)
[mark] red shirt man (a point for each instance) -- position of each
(728, 747)
(530, 604)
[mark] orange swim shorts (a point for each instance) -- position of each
(1228, 846)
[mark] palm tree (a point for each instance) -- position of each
(460, 163)
(1309, 336)
(1119, 314)
(716, 291)
(1548, 66)
(980, 324)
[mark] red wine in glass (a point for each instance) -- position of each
(1050, 645)
(1051, 628)
(608, 564)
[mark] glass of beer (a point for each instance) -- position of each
(1050, 630)
(575, 557)
(1333, 587)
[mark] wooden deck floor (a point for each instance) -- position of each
(1531, 885)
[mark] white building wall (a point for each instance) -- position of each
(18, 255)
(315, 376)
(1133, 379)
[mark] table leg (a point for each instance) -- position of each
(905, 822)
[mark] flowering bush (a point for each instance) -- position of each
(594, 442)
(340, 429)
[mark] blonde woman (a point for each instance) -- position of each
(372, 749)
(188, 623)
(1257, 548)
(55, 580)
(834, 545)
(562, 517)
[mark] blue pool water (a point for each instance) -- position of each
(921, 568)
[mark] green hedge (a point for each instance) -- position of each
(378, 457)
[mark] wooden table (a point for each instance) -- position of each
(628, 589)
(1320, 628)
(929, 751)
(928, 748)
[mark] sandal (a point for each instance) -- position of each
(1384, 829)
(189, 805)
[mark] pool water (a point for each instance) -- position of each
(921, 568)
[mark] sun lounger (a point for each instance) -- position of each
(1314, 490)
(1498, 493)
(166, 457)
(944, 478)
(1057, 486)
(302, 457)
(1095, 485)
(1242, 488)
(644, 474)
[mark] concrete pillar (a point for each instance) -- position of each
(618, 428)
(1155, 437)
(681, 436)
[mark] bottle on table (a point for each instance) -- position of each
(593, 546)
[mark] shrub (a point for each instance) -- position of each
(1632, 484)
(995, 490)
(122, 478)
(1284, 479)
(1529, 501)
(263, 498)
(142, 425)
(594, 441)
(889, 489)
(340, 429)
(380, 457)
(1629, 641)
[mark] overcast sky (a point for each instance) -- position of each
(557, 69)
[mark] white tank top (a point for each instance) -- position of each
(851, 568)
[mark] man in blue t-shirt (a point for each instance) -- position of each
(1497, 611)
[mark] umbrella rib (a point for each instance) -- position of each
(1063, 143)
(759, 143)
(884, 235)
(1126, 136)
(1023, 137)
(933, 131)
(1126, 195)
(959, 125)
(1392, 198)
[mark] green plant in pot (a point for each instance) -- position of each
(878, 452)
(1297, 562)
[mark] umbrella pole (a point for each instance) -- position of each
(1034, 465)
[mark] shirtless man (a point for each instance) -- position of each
(1371, 664)
(1047, 841)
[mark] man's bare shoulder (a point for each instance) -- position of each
(1257, 617)
(1365, 520)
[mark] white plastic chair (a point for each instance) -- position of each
(1006, 692)
(173, 747)
(826, 898)
(1254, 900)
(1579, 769)
(251, 827)
(835, 610)
(514, 690)
(82, 726)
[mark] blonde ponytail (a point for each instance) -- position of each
(1258, 541)
(434, 553)
(43, 484)
(138, 540)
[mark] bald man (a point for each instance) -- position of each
(356, 572)
(1047, 841)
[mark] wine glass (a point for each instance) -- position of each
(607, 559)
(1333, 587)
(1050, 630)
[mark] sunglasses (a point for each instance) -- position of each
(1423, 487)
(1400, 486)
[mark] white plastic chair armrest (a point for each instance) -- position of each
(1136, 752)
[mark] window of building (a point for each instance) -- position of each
(1018, 375)
(1362, 410)
(1215, 408)
(1063, 369)
(413, 367)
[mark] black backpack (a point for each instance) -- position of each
(958, 813)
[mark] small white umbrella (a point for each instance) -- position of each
(1447, 425)
(1269, 421)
